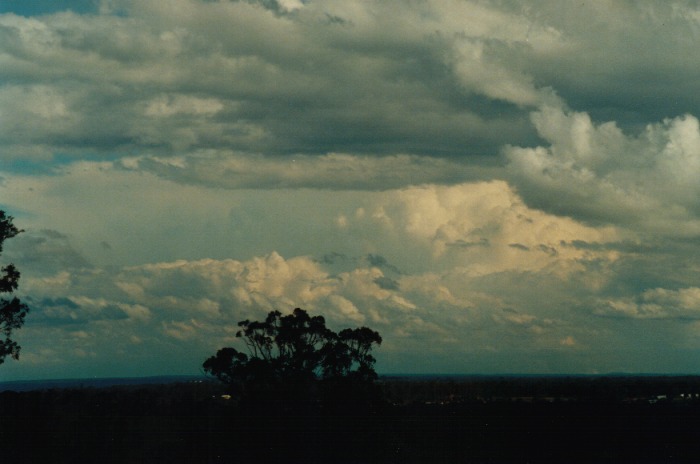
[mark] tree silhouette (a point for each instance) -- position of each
(12, 311)
(294, 350)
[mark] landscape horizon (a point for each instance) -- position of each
(410, 419)
(164, 379)
(358, 231)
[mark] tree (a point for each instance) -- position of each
(297, 379)
(295, 349)
(12, 310)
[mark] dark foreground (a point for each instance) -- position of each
(613, 420)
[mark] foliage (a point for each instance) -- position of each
(12, 310)
(295, 349)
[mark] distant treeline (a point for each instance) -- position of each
(495, 419)
(586, 388)
(97, 382)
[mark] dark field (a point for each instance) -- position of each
(431, 420)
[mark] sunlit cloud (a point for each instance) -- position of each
(598, 173)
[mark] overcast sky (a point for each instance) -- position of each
(494, 186)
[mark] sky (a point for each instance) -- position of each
(494, 186)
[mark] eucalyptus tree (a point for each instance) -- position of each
(12, 310)
(295, 349)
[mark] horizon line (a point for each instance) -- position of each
(381, 375)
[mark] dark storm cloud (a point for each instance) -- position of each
(628, 61)
(235, 76)
(447, 79)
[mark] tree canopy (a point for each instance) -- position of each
(12, 310)
(295, 347)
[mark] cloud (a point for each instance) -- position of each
(477, 223)
(333, 171)
(438, 78)
(197, 302)
(153, 217)
(45, 251)
(479, 181)
(598, 173)
(625, 62)
(656, 303)
(568, 341)
(181, 76)
(426, 286)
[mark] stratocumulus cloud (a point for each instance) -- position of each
(494, 186)
(315, 91)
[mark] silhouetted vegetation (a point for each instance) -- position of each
(12, 311)
(302, 390)
(422, 420)
(295, 361)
